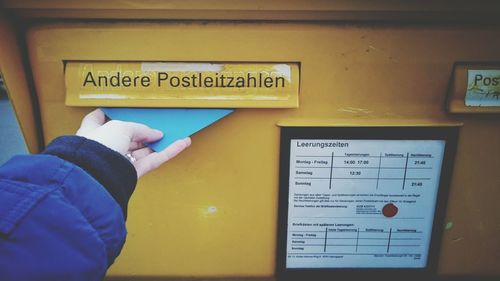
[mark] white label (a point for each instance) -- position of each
(483, 88)
(362, 203)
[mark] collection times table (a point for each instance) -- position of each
(361, 203)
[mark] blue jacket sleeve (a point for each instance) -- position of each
(108, 167)
(58, 221)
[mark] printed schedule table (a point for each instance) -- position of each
(387, 169)
(361, 203)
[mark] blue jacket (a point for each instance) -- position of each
(62, 212)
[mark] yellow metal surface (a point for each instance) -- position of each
(212, 211)
(182, 84)
(291, 10)
(13, 73)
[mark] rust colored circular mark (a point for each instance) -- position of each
(390, 210)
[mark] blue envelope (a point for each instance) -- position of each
(174, 123)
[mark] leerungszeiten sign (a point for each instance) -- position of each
(361, 203)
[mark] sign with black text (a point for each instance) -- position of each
(360, 202)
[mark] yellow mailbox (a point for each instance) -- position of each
(311, 79)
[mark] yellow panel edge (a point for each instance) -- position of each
(368, 123)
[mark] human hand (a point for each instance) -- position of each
(128, 137)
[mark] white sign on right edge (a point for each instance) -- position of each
(362, 203)
(483, 88)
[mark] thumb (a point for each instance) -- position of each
(91, 121)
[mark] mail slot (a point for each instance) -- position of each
(347, 150)
(182, 84)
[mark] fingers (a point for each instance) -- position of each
(124, 137)
(138, 133)
(141, 133)
(177, 147)
(155, 159)
(135, 146)
(141, 153)
(91, 121)
(117, 135)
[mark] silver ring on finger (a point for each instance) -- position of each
(130, 157)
